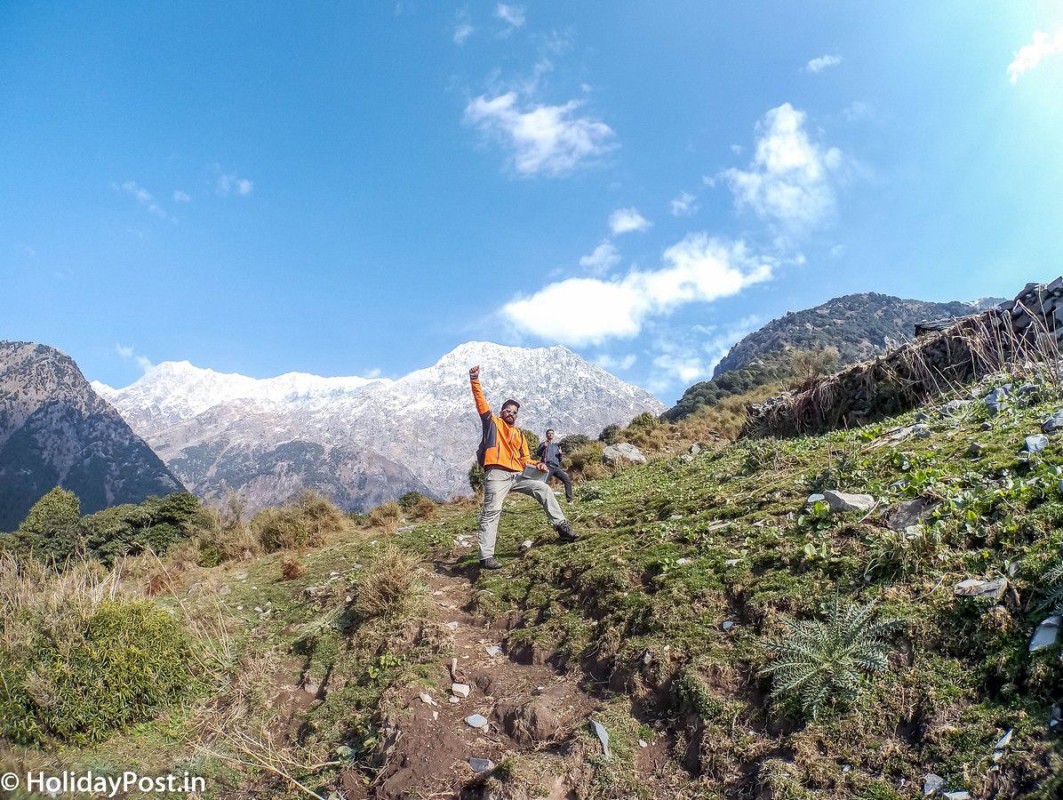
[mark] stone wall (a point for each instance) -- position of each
(1028, 328)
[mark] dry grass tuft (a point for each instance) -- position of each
(386, 587)
(292, 568)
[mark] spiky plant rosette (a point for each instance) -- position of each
(1052, 581)
(827, 661)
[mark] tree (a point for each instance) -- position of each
(50, 530)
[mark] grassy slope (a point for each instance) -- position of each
(639, 605)
(670, 552)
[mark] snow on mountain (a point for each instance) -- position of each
(415, 433)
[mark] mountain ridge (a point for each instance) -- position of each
(419, 430)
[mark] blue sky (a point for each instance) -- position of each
(356, 188)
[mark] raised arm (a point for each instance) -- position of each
(477, 392)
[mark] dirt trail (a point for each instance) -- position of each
(528, 707)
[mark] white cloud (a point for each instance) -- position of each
(817, 65)
(463, 28)
(231, 183)
(145, 200)
(462, 31)
(788, 181)
(856, 111)
(683, 360)
(1029, 56)
(543, 139)
(684, 205)
(182, 197)
(837, 251)
(603, 259)
(591, 310)
(511, 15)
(625, 220)
(129, 353)
(615, 363)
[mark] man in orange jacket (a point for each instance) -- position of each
(504, 455)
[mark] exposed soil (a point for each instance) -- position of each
(529, 707)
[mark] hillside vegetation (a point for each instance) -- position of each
(732, 635)
(801, 344)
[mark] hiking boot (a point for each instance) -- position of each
(490, 563)
(564, 530)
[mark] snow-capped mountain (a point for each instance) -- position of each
(360, 440)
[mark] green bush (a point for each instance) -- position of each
(825, 662)
(128, 660)
(410, 500)
(50, 530)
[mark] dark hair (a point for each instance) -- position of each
(549, 430)
(509, 403)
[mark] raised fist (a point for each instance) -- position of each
(474, 372)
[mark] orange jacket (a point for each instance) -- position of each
(503, 445)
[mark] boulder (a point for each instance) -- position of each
(1036, 443)
(615, 453)
(842, 501)
(908, 513)
(994, 401)
(1054, 423)
(1046, 634)
(975, 587)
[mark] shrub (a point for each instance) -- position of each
(425, 509)
(384, 588)
(50, 530)
(157, 524)
(409, 500)
(224, 535)
(386, 516)
(823, 662)
(79, 663)
(291, 569)
(476, 478)
(574, 442)
(304, 524)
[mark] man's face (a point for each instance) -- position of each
(509, 414)
(549, 436)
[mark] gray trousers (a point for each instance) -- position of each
(497, 484)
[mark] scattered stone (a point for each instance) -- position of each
(920, 431)
(1054, 423)
(647, 658)
(494, 650)
(727, 624)
(1028, 388)
(642, 743)
(1055, 719)
(453, 700)
(681, 561)
(460, 689)
(1036, 443)
(426, 698)
(814, 498)
(986, 426)
(695, 449)
(625, 451)
(732, 562)
(1046, 634)
(476, 721)
(686, 458)
(258, 609)
(1004, 740)
(922, 416)
(526, 545)
(435, 715)
(481, 765)
(842, 501)
(908, 513)
(953, 407)
(957, 796)
(994, 401)
(932, 783)
(976, 449)
(602, 734)
(974, 587)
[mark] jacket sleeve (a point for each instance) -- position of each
(478, 395)
(525, 456)
(539, 451)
